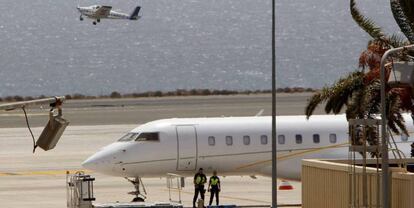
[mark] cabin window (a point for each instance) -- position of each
(263, 139)
(211, 141)
(298, 139)
(404, 137)
(316, 138)
(229, 140)
(154, 136)
(246, 140)
(281, 139)
(332, 138)
(128, 137)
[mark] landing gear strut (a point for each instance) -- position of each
(137, 182)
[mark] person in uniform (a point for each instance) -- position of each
(214, 188)
(199, 181)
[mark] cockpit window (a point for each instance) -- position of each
(153, 136)
(128, 137)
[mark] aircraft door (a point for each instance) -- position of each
(186, 148)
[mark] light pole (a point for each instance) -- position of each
(274, 161)
(384, 136)
(15, 105)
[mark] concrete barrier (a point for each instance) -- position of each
(326, 184)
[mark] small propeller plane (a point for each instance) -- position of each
(98, 12)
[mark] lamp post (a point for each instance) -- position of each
(53, 129)
(12, 106)
(274, 162)
(384, 136)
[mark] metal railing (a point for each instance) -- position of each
(175, 183)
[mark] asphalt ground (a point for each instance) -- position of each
(142, 110)
(38, 180)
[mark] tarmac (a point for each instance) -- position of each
(38, 180)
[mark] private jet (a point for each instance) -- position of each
(98, 12)
(230, 145)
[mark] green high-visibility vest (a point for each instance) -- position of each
(214, 182)
(199, 180)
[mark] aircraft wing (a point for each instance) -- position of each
(103, 11)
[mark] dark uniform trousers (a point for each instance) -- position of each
(214, 191)
(198, 189)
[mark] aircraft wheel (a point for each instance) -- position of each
(138, 199)
(94, 23)
(99, 20)
(81, 18)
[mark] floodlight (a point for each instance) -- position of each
(52, 131)
(402, 74)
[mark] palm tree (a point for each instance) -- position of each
(359, 91)
(403, 11)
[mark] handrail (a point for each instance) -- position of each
(170, 178)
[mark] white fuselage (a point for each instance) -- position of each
(98, 12)
(230, 145)
(91, 13)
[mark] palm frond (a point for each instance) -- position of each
(315, 100)
(402, 20)
(342, 91)
(365, 102)
(408, 9)
(371, 102)
(375, 31)
(394, 117)
(400, 122)
(396, 41)
(365, 23)
(337, 95)
(353, 109)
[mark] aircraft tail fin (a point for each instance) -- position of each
(134, 15)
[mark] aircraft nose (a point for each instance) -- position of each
(105, 161)
(101, 161)
(91, 163)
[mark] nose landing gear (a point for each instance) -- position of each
(137, 182)
(81, 18)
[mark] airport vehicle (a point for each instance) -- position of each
(98, 12)
(230, 145)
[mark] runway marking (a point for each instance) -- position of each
(40, 173)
